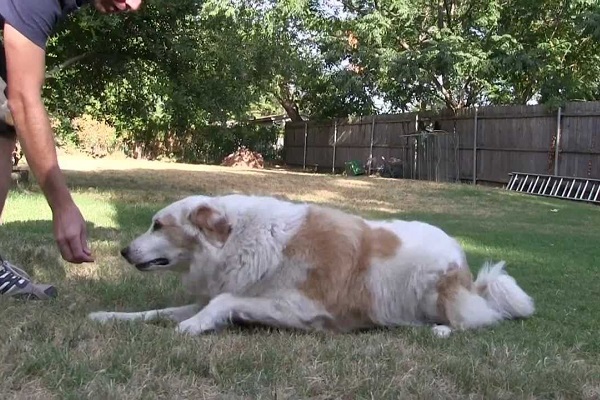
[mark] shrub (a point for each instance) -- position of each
(94, 137)
(207, 144)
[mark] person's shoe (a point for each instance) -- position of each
(14, 282)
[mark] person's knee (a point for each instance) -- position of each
(8, 145)
(8, 136)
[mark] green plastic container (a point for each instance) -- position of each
(354, 168)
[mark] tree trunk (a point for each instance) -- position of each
(285, 98)
(291, 109)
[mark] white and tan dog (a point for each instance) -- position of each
(277, 263)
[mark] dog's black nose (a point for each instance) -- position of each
(125, 253)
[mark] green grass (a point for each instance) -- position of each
(50, 350)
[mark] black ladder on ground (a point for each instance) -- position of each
(563, 187)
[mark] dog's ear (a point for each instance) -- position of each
(212, 223)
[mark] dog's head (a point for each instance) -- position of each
(181, 231)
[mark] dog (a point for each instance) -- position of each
(267, 261)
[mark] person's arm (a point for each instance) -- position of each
(25, 63)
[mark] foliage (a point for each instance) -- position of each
(208, 144)
(165, 71)
(178, 72)
(457, 54)
(94, 137)
(550, 54)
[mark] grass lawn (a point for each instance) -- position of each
(49, 349)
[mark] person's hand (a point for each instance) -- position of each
(71, 235)
(113, 6)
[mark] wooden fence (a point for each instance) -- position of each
(476, 145)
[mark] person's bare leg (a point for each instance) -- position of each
(7, 145)
(14, 282)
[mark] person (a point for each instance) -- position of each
(26, 26)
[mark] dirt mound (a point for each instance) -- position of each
(244, 157)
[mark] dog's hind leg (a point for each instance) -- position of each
(283, 310)
(176, 314)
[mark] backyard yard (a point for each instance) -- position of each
(50, 350)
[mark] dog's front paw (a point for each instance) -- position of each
(191, 327)
(211, 318)
(101, 316)
(441, 331)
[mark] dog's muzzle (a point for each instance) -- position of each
(161, 261)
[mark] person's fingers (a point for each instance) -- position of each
(133, 5)
(104, 8)
(65, 249)
(76, 249)
(120, 5)
(99, 6)
(76, 246)
(71, 236)
(84, 243)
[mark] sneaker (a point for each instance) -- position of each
(15, 282)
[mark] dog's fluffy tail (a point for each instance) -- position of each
(494, 296)
(502, 293)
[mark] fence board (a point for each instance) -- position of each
(509, 138)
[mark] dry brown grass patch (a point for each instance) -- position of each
(163, 182)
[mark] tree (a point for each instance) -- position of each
(550, 54)
(157, 75)
(177, 67)
(456, 53)
(426, 53)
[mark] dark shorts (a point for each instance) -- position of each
(6, 130)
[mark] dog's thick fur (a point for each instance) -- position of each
(272, 262)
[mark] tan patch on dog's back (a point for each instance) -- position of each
(384, 242)
(448, 287)
(339, 249)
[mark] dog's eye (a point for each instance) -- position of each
(157, 225)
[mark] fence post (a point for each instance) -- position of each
(557, 143)
(415, 149)
(475, 148)
(334, 143)
(305, 135)
(371, 145)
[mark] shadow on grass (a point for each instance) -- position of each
(34, 240)
(42, 229)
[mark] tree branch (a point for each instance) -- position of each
(287, 101)
(446, 95)
(68, 63)
(465, 93)
(449, 8)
